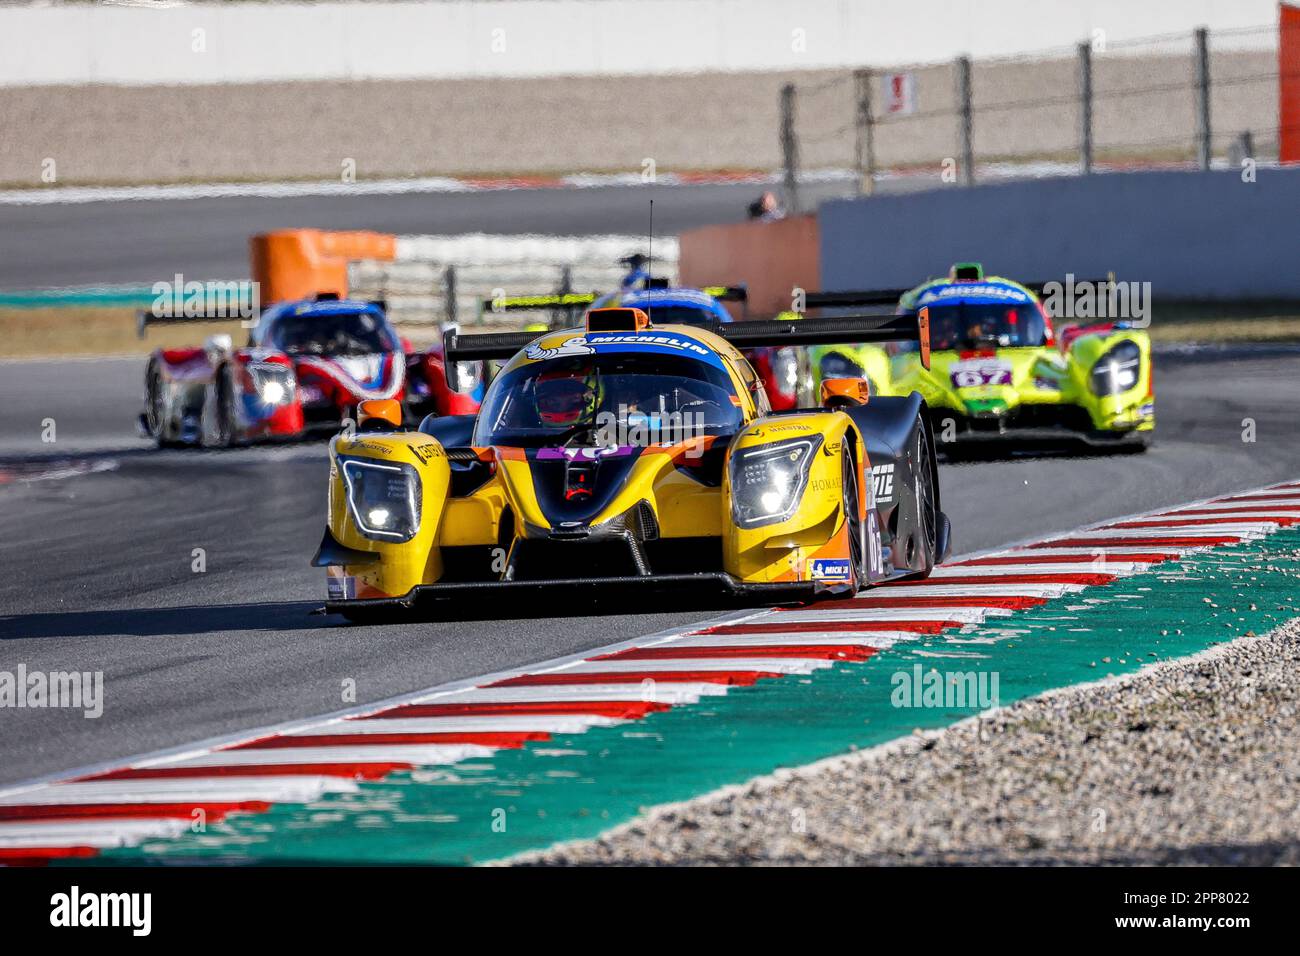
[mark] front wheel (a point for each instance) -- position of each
(154, 409)
(860, 573)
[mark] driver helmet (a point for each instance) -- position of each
(567, 396)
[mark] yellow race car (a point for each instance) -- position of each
(621, 455)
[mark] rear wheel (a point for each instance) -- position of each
(927, 509)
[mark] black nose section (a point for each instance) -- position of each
(572, 491)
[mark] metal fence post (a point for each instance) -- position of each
(964, 106)
(1203, 135)
(789, 149)
(450, 306)
(1085, 108)
(864, 152)
(564, 315)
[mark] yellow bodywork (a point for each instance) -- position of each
(683, 506)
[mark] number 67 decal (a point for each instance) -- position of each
(975, 374)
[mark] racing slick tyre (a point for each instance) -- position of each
(153, 405)
(223, 434)
(857, 536)
(927, 509)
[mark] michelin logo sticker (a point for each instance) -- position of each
(972, 290)
(826, 569)
(574, 346)
(665, 341)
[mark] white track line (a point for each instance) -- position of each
(1006, 570)
(959, 615)
(1090, 552)
(530, 723)
(1155, 534)
(665, 693)
(184, 790)
(992, 589)
(770, 665)
(101, 833)
(425, 755)
(876, 639)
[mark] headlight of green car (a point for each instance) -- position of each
(1118, 370)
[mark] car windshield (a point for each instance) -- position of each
(616, 398)
(968, 325)
(344, 333)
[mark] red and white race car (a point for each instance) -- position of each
(306, 366)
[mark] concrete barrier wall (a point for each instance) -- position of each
(1192, 235)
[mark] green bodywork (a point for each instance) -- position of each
(1009, 392)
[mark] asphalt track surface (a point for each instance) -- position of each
(96, 571)
(146, 241)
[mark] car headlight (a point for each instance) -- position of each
(1117, 370)
(384, 499)
(272, 383)
(835, 365)
(768, 481)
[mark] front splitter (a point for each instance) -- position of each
(702, 585)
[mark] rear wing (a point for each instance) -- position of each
(221, 313)
(540, 301)
(891, 297)
(147, 317)
(862, 329)
(855, 329)
(577, 300)
(853, 299)
(727, 293)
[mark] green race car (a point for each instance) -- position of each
(999, 371)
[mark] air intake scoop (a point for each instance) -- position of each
(617, 320)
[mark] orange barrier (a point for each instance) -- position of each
(299, 263)
(770, 258)
(1288, 70)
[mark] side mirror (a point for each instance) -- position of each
(379, 414)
